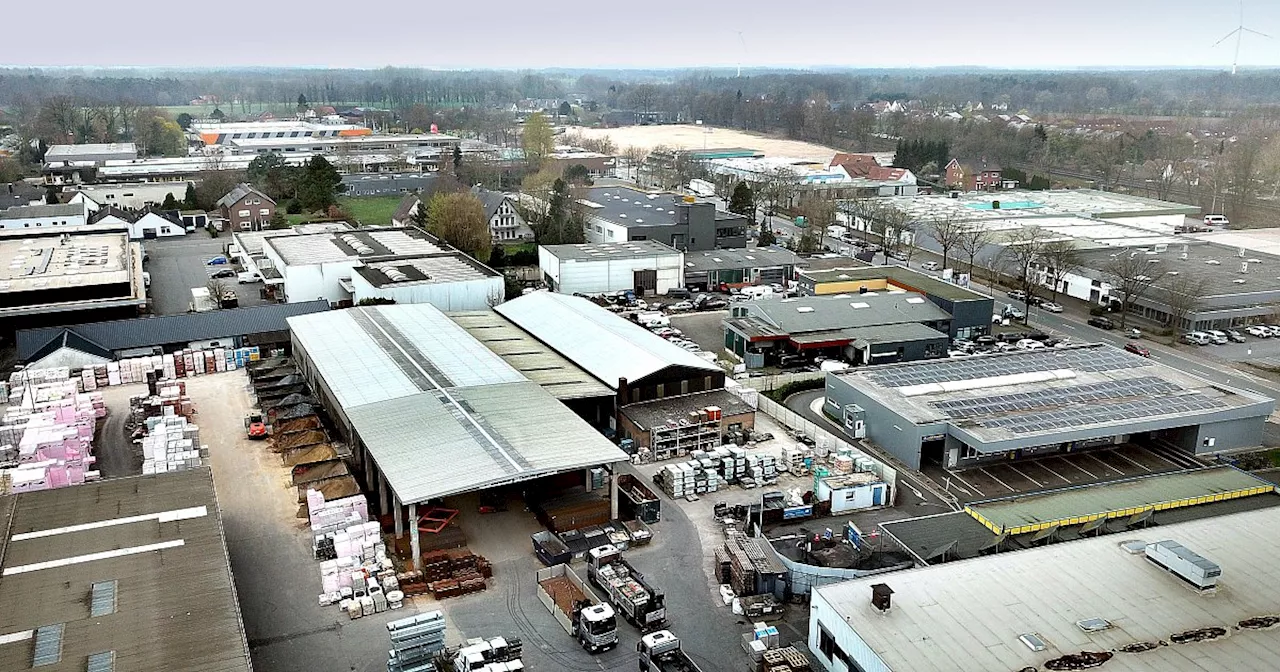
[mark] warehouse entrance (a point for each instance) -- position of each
(646, 282)
(932, 451)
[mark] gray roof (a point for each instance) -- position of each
(899, 276)
(604, 344)
(405, 209)
(672, 410)
(754, 257)
(844, 311)
(170, 609)
(893, 333)
(605, 251)
(968, 615)
(240, 191)
(492, 200)
(26, 211)
(427, 269)
(439, 413)
(526, 354)
(151, 331)
(630, 207)
(1217, 266)
(62, 152)
(20, 193)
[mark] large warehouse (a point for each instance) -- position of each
(644, 266)
(430, 412)
(970, 311)
(1073, 606)
(76, 276)
(965, 412)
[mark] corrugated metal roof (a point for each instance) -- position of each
(844, 311)
(150, 331)
(530, 357)
(605, 345)
(176, 607)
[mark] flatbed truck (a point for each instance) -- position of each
(660, 652)
(576, 608)
(626, 589)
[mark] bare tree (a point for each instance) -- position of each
(947, 231)
(1186, 294)
(1060, 258)
(890, 223)
(778, 185)
(634, 156)
(1021, 252)
(1129, 273)
(819, 213)
(972, 242)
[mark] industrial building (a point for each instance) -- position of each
(618, 214)
(635, 363)
(348, 146)
(1088, 603)
(721, 270)
(246, 246)
(72, 164)
(430, 412)
(406, 264)
(832, 181)
(80, 345)
(868, 328)
(75, 275)
(970, 311)
(132, 195)
(31, 217)
(676, 425)
(123, 574)
(644, 267)
(974, 410)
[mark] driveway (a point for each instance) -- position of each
(178, 264)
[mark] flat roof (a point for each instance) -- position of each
(633, 249)
(975, 610)
(48, 261)
(605, 345)
(439, 413)
(435, 269)
(977, 206)
(330, 247)
(55, 210)
(899, 276)
(250, 242)
(630, 207)
(526, 354)
(893, 333)
(843, 311)
(673, 410)
(1216, 265)
(1029, 513)
(1027, 394)
(161, 575)
(754, 257)
(60, 152)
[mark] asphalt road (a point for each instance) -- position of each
(178, 264)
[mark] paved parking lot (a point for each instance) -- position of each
(1055, 471)
(178, 264)
(703, 328)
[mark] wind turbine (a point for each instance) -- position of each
(1239, 33)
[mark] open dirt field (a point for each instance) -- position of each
(688, 136)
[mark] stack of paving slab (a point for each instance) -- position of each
(355, 571)
(172, 444)
(171, 366)
(46, 437)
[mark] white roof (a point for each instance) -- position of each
(438, 411)
(968, 615)
(605, 345)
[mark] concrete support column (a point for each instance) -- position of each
(384, 491)
(413, 535)
(370, 467)
(399, 515)
(613, 494)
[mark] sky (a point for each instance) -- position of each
(510, 34)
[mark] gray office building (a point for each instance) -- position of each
(618, 213)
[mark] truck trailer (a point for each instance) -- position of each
(626, 589)
(660, 652)
(576, 608)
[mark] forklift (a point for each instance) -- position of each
(254, 427)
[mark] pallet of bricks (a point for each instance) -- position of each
(355, 571)
(456, 572)
(46, 433)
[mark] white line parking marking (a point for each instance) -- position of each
(1104, 464)
(1175, 464)
(1090, 474)
(968, 484)
(1136, 464)
(1048, 469)
(1024, 475)
(993, 477)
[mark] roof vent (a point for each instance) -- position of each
(1033, 641)
(881, 596)
(102, 601)
(1185, 564)
(860, 304)
(1093, 624)
(804, 309)
(1134, 546)
(395, 274)
(914, 299)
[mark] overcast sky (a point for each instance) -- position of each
(653, 33)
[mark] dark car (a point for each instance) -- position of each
(1012, 336)
(678, 293)
(223, 273)
(1137, 349)
(1101, 323)
(985, 341)
(793, 361)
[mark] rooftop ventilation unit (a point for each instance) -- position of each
(1033, 641)
(395, 274)
(1184, 563)
(804, 309)
(1093, 624)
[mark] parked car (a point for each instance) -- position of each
(930, 266)
(1216, 220)
(1258, 331)
(1275, 330)
(1018, 295)
(217, 261)
(1051, 307)
(223, 273)
(1013, 312)
(710, 303)
(1216, 337)
(1029, 344)
(1012, 337)
(679, 293)
(681, 307)
(1137, 349)
(792, 361)
(985, 341)
(248, 276)
(1235, 336)
(1196, 338)
(1102, 323)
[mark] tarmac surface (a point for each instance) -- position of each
(178, 264)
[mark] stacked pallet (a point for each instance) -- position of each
(574, 511)
(787, 659)
(415, 642)
(454, 573)
(690, 478)
(796, 460)
(762, 469)
(748, 562)
(172, 443)
(46, 439)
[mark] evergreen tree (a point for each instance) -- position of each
(170, 203)
(766, 236)
(302, 103)
(742, 201)
(319, 185)
(190, 200)
(218, 114)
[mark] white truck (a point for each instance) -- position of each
(576, 608)
(638, 602)
(201, 301)
(489, 655)
(660, 651)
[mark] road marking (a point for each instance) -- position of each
(968, 484)
(1175, 464)
(1136, 464)
(1024, 475)
(1046, 468)
(1086, 471)
(1104, 464)
(993, 477)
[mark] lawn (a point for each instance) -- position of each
(364, 210)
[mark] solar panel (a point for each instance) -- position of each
(1085, 359)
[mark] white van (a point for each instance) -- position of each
(1215, 220)
(1196, 338)
(755, 292)
(651, 320)
(245, 277)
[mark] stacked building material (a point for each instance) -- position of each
(574, 511)
(690, 478)
(415, 642)
(750, 567)
(172, 443)
(787, 659)
(762, 469)
(454, 573)
(796, 460)
(171, 366)
(46, 437)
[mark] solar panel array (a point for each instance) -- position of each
(960, 409)
(1091, 359)
(1135, 409)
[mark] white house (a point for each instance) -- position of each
(68, 215)
(643, 266)
(147, 224)
(506, 225)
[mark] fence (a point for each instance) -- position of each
(804, 577)
(768, 383)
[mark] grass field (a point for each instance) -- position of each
(364, 210)
(688, 136)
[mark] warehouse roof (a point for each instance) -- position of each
(1018, 395)
(892, 333)
(49, 261)
(526, 354)
(1016, 514)
(672, 410)
(968, 615)
(755, 257)
(439, 413)
(136, 566)
(150, 331)
(28, 211)
(67, 152)
(1031, 204)
(898, 277)
(329, 247)
(632, 249)
(630, 207)
(250, 242)
(843, 311)
(427, 269)
(605, 345)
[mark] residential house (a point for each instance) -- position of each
(506, 225)
(856, 165)
(980, 176)
(407, 212)
(246, 209)
(141, 224)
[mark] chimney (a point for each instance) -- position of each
(880, 596)
(624, 392)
